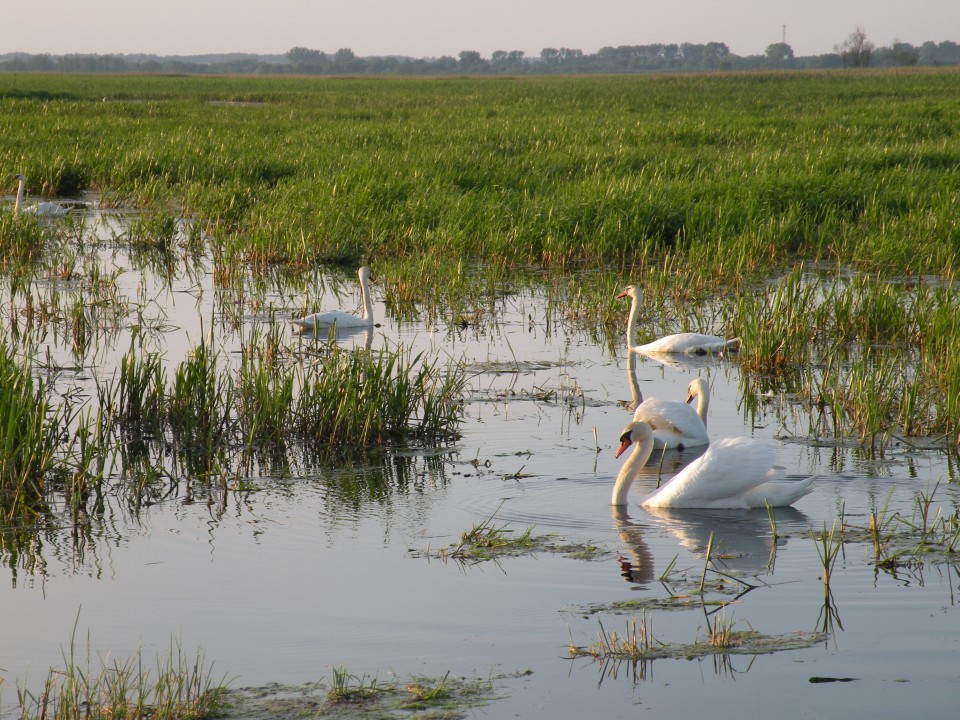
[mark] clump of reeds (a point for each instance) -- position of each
(180, 687)
(369, 398)
(828, 544)
(199, 412)
(721, 634)
(30, 439)
(634, 644)
(486, 539)
(774, 325)
(348, 688)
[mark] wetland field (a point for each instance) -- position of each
(204, 512)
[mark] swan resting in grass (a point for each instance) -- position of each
(41, 209)
(688, 342)
(676, 425)
(734, 473)
(340, 318)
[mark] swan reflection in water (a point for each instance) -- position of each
(685, 363)
(339, 335)
(637, 569)
(743, 540)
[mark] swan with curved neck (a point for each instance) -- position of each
(690, 343)
(676, 425)
(41, 209)
(733, 473)
(340, 318)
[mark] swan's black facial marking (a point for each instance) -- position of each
(625, 442)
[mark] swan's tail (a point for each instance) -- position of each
(781, 491)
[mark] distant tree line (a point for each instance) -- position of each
(855, 51)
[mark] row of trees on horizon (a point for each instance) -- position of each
(855, 51)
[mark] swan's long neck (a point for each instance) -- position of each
(19, 201)
(703, 403)
(367, 300)
(630, 470)
(632, 319)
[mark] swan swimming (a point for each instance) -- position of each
(688, 342)
(340, 318)
(734, 473)
(676, 425)
(41, 209)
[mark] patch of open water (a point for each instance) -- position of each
(306, 574)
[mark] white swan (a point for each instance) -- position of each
(688, 342)
(676, 425)
(733, 473)
(41, 209)
(340, 318)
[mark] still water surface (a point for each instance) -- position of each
(308, 573)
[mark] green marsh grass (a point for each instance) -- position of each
(835, 265)
(30, 439)
(561, 172)
(178, 687)
(828, 544)
(371, 398)
(348, 688)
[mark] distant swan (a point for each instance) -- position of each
(340, 318)
(42, 209)
(691, 343)
(676, 425)
(733, 473)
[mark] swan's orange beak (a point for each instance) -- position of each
(623, 294)
(624, 444)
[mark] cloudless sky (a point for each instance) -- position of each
(430, 28)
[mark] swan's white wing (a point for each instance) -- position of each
(673, 423)
(720, 478)
(689, 343)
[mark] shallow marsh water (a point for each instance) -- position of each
(339, 566)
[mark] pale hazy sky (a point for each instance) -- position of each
(429, 28)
